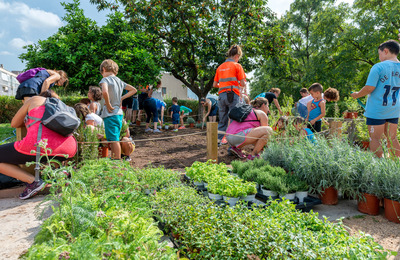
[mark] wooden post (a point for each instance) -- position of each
(335, 128)
(212, 141)
(21, 133)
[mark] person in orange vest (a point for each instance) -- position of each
(230, 80)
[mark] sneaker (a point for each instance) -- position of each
(159, 127)
(157, 131)
(128, 158)
(238, 152)
(32, 189)
(250, 157)
(224, 141)
(148, 130)
(182, 127)
(175, 130)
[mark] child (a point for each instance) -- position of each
(112, 114)
(94, 96)
(160, 109)
(212, 109)
(331, 94)
(272, 97)
(280, 125)
(92, 120)
(298, 123)
(175, 113)
(302, 103)
(383, 109)
(315, 107)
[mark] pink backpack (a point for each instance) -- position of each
(28, 74)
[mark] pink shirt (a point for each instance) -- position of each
(58, 144)
(236, 127)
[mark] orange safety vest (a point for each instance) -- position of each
(228, 76)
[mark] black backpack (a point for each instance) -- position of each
(240, 112)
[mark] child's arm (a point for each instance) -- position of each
(322, 106)
(278, 106)
(366, 90)
(104, 91)
(131, 92)
(93, 107)
(54, 76)
(308, 110)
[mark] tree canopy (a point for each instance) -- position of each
(192, 37)
(81, 45)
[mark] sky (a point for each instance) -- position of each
(27, 21)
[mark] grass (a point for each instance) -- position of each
(6, 131)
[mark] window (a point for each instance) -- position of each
(4, 76)
(164, 91)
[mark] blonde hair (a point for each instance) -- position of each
(275, 90)
(258, 102)
(109, 66)
(234, 50)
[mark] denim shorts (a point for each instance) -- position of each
(239, 138)
(214, 111)
(112, 126)
(135, 104)
(371, 121)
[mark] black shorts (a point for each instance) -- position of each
(8, 154)
(127, 102)
(371, 121)
(316, 128)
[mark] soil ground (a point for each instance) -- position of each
(20, 225)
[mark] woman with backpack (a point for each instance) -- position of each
(19, 152)
(253, 129)
(38, 80)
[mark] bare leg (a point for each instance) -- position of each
(155, 125)
(126, 146)
(134, 113)
(116, 150)
(393, 142)
(128, 114)
(376, 132)
(212, 118)
(16, 172)
(259, 132)
(139, 118)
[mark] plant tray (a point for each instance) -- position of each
(306, 206)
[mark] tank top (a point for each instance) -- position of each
(58, 144)
(315, 110)
(98, 110)
(213, 103)
(251, 121)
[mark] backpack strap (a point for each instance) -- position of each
(35, 119)
(37, 166)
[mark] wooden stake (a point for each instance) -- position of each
(212, 141)
(21, 132)
(335, 128)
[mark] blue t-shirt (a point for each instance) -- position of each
(315, 110)
(159, 103)
(268, 95)
(175, 109)
(383, 102)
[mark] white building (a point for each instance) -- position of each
(172, 87)
(8, 82)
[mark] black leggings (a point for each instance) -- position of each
(150, 108)
(316, 128)
(8, 154)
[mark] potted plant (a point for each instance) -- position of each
(232, 191)
(190, 121)
(301, 190)
(251, 190)
(213, 191)
(368, 202)
(166, 126)
(362, 134)
(269, 184)
(352, 108)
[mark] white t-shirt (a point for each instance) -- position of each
(305, 100)
(97, 119)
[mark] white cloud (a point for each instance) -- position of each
(31, 18)
(5, 53)
(18, 43)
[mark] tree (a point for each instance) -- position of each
(81, 45)
(192, 36)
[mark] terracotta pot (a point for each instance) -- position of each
(350, 115)
(329, 196)
(370, 205)
(365, 144)
(392, 210)
(103, 151)
(191, 125)
(138, 122)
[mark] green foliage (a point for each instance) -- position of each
(9, 106)
(88, 144)
(101, 214)
(194, 36)
(190, 120)
(81, 45)
(6, 132)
